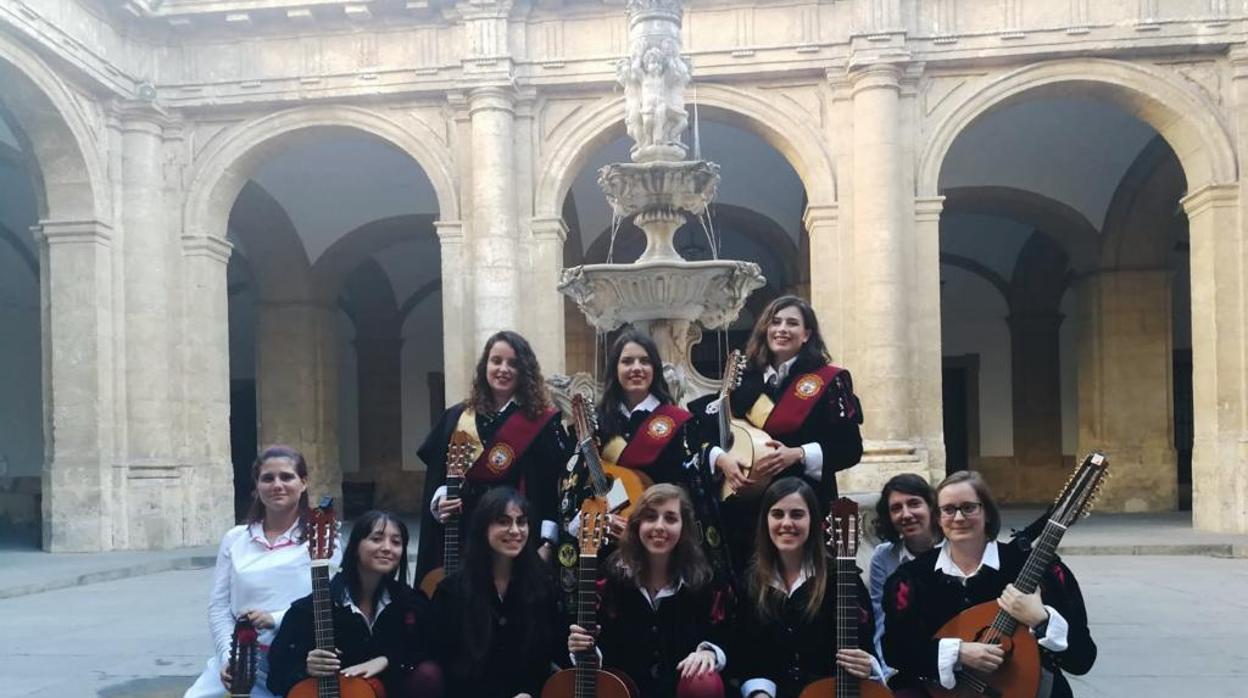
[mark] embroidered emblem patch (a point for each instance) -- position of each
(808, 386)
(712, 536)
(500, 458)
(567, 555)
(660, 427)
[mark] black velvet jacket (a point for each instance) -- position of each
(918, 600)
(398, 633)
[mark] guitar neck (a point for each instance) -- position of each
(587, 663)
(846, 622)
(450, 532)
(725, 421)
(1043, 552)
(323, 623)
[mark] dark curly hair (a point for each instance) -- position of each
(531, 393)
(911, 484)
(610, 422)
(813, 351)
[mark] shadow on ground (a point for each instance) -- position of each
(158, 687)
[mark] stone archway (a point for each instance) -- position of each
(74, 237)
(1195, 129)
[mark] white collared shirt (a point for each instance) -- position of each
(781, 373)
(650, 404)
(381, 605)
(1056, 629)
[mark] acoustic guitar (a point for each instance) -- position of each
(588, 679)
(740, 439)
(844, 531)
(1019, 675)
(620, 487)
(244, 655)
(458, 454)
(322, 532)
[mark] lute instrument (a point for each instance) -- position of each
(322, 533)
(244, 657)
(844, 532)
(458, 457)
(740, 439)
(1019, 675)
(618, 486)
(588, 679)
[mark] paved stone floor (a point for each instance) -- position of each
(1166, 626)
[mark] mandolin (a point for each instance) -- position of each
(620, 487)
(1019, 676)
(588, 679)
(458, 460)
(322, 531)
(740, 439)
(244, 655)
(844, 529)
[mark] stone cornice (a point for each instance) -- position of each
(56, 42)
(1209, 197)
(208, 247)
(74, 232)
(549, 229)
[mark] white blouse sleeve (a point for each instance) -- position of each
(220, 615)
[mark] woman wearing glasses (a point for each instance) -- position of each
(969, 569)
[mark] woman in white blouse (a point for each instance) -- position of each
(261, 568)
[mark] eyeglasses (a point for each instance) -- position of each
(968, 509)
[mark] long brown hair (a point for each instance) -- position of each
(255, 513)
(758, 354)
(531, 393)
(610, 422)
(631, 563)
(766, 561)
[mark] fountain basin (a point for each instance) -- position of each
(710, 293)
(637, 187)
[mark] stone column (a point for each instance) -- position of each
(827, 280)
(1126, 385)
(1220, 453)
(76, 289)
(549, 235)
(297, 385)
(377, 352)
(929, 363)
(1039, 468)
(459, 349)
(205, 362)
(493, 232)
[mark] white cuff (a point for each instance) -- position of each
(1055, 633)
(947, 659)
(438, 495)
(721, 659)
(713, 456)
(754, 685)
(813, 460)
(550, 531)
(877, 670)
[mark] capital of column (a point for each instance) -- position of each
(927, 209)
(820, 215)
(549, 229)
(492, 98)
(138, 116)
(74, 232)
(874, 76)
(449, 232)
(208, 247)
(1208, 197)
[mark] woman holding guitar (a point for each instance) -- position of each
(261, 567)
(785, 636)
(660, 614)
(790, 390)
(969, 569)
(518, 441)
(379, 622)
(496, 617)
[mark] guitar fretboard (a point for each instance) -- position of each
(450, 535)
(323, 623)
(1043, 552)
(587, 617)
(846, 622)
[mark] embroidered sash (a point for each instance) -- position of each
(654, 434)
(492, 461)
(788, 415)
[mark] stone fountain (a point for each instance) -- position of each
(662, 293)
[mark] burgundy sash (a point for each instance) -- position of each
(799, 399)
(510, 442)
(653, 436)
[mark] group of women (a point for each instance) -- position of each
(695, 597)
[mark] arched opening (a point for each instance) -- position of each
(1081, 351)
(334, 231)
(756, 219)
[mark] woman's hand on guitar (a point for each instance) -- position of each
(579, 639)
(776, 461)
(698, 662)
(981, 657)
(225, 675)
(731, 468)
(369, 669)
(448, 506)
(259, 619)
(1025, 608)
(615, 526)
(855, 661)
(323, 663)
